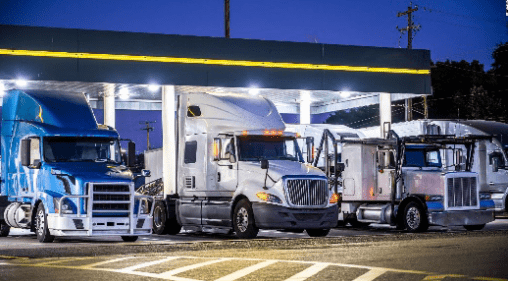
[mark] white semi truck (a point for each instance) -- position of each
(491, 162)
(401, 181)
(237, 170)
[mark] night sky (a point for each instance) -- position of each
(455, 29)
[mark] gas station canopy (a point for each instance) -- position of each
(332, 77)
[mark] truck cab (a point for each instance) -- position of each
(62, 174)
(237, 170)
(402, 182)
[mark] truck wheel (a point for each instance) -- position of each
(4, 229)
(474, 227)
(159, 218)
(41, 226)
(243, 220)
(414, 218)
(318, 232)
(129, 238)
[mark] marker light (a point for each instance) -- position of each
(244, 133)
(334, 198)
(273, 132)
(216, 144)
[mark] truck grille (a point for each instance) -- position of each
(111, 200)
(307, 192)
(462, 192)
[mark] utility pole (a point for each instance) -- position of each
(226, 18)
(409, 28)
(148, 129)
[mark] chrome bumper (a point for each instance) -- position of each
(461, 217)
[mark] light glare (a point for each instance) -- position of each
(153, 87)
(21, 82)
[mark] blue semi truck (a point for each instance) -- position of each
(62, 174)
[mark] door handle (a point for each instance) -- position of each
(218, 177)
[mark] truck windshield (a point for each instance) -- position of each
(256, 148)
(422, 158)
(70, 149)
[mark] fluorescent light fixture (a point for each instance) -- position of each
(123, 94)
(21, 82)
(345, 94)
(253, 91)
(153, 87)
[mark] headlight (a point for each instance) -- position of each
(65, 207)
(267, 197)
(496, 195)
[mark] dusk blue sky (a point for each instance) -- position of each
(454, 29)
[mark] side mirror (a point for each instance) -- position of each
(264, 164)
(216, 149)
(310, 149)
(146, 173)
(25, 152)
(341, 167)
(495, 164)
(381, 158)
(131, 159)
(232, 158)
(36, 164)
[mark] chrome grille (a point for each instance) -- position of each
(111, 199)
(462, 192)
(307, 192)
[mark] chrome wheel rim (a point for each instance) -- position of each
(242, 219)
(157, 217)
(413, 218)
(40, 222)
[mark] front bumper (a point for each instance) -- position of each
(73, 225)
(270, 216)
(461, 217)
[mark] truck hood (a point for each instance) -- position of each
(280, 168)
(92, 171)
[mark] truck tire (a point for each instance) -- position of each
(414, 218)
(41, 225)
(474, 227)
(318, 232)
(159, 218)
(4, 229)
(129, 238)
(243, 220)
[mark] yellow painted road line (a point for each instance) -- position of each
(308, 272)
(141, 265)
(371, 275)
(56, 262)
(489, 279)
(246, 271)
(284, 65)
(170, 273)
(104, 262)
